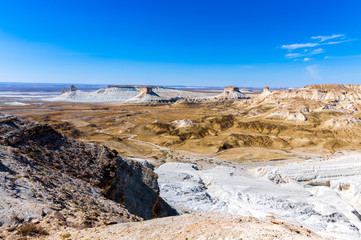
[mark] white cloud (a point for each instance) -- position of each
(302, 59)
(294, 55)
(325, 38)
(337, 42)
(300, 45)
(310, 45)
(306, 53)
(322, 41)
(316, 51)
(313, 70)
(343, 57)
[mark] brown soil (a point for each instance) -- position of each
(242, 131)
(197, 226)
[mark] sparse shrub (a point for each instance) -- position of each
(16, 219)
(22, 238)
(65, 235)
(31, 229)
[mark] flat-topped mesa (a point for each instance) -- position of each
(73, 88)
(145, 94)
(145, 90)
(133, 93)
(230, 93)
(266, 92)
(231, 89)
(131, 86)
(266, 89)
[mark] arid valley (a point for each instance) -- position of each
(180, 120)
(270, 164)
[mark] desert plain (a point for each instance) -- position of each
(289, 159)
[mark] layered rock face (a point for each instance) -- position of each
(335, 87)
(231, 93)
(317, 92)
(146, 94)
(231, 89)
(145, 90)
(51, 159)
(138, 190)
(31, 190)
(312, 99)
(73, 88)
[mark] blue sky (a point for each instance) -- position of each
(198, 43)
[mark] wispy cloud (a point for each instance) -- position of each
(306, 53)
(300, 45)
(313, 70)
(311, 45)
(303, 51)
(306, 59)
(325, 38)
(338, 42)
(317, 51)
(343, 57)
(294, 55)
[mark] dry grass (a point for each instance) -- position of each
(223, 130)
(31, 229)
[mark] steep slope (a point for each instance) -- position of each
(146, 94)
(31, 190)
(317, 92)
(230, 93)
(42, 171)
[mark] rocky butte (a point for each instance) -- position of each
(231, 93)
(146, 94)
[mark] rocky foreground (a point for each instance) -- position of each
(54, 187)
(195, 226)
(51, 180)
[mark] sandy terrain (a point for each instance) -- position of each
(197, 226)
